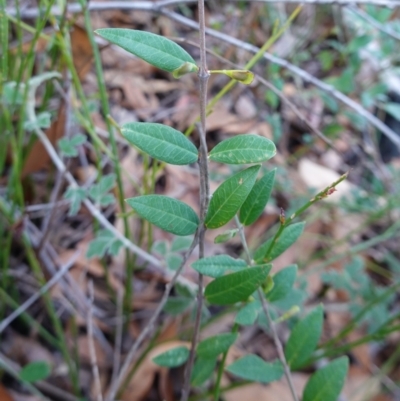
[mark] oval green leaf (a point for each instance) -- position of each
(172, 358)
(249, 313)
(155, 49)
(217, 266)
(252, 367)
(161, 142)
(283, 283)
(169, 214)
(35, 371)
(213, 346)
(327, 383)
(243, 149)
(202, 370)
(304, 338)
(255, 203)
(236, 287)
(229, 197)
(288, 237)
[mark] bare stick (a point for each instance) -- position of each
(295, 70)
(92, 351)
(145, 333)
(156, 6)
(383, 28)
(278, 344)
(31, 300)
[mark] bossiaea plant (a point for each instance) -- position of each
(247, 285)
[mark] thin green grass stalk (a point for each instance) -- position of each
(253, 61)
(30, 321)
(217, 387)
(130, 259)
(343, 349)
(353, 323)
(37, 271)
(391, 233)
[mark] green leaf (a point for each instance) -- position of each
(35, 371)
(76, 196)
(236, 287)
(213, 346)
(160, 247)
(68, 146)
(177, 305)
(283, 282)
(229, 197)
(202, 370)
(252, 367)
(172, 358)
(161, 142)
(288, 237)
(181, 243)
(243, 149)
(156, 50)
(393, 109)
(99, 192)
(255, 203)
(105, 242)
(249, 313)
(174, 261)
(304, 338)
(225, 236)
(327, 383)
(169, 214)
(217, 266)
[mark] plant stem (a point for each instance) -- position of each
(277, 341)
(203, 75)
(321, 195)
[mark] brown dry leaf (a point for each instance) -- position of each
(143, 379)
(4, 394)
(38, 157)
(272, 392)
(82, 52)
(24, 350)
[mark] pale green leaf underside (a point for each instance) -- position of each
(35, 371)
(304, 338)
(252, 367)
(172, 358)
(156, 50)
(229, 196)
(161, 142)
(236, 287)
(283, 282)
(169, 214)
(326, 383)
(217, 266)
(215, 345)
(288, 237)
(243, 149)
(258, 197)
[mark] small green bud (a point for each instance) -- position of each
(268, 285)
(185, 68)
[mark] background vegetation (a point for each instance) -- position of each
(81, 274)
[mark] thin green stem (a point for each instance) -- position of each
(285, 222)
